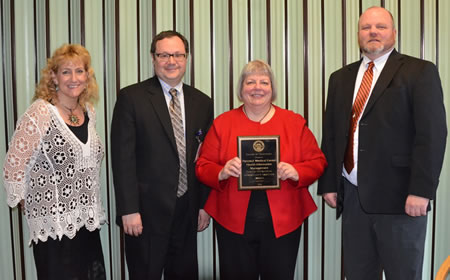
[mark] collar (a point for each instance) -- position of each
(166, 87)
(379, 62)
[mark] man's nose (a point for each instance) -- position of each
(373, 31)
(171, 58)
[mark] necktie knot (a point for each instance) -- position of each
(369, 68)
(173, 92)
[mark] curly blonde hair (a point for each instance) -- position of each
(47, 90)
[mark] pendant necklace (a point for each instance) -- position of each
(265, 115)
(73, 119)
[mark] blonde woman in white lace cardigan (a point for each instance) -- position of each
(52, 169)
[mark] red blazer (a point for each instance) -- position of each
(291, 204)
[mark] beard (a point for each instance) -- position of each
(376, 50)
(373, 50)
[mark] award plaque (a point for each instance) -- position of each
(259, 156)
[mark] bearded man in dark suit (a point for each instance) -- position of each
(157, 127)
(384, 151)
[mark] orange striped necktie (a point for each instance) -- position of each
(358, 105)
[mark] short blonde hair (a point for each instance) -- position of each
(256, 67)
(47, 90)
(378, 7)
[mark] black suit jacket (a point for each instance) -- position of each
(402, 134)
(144, 153)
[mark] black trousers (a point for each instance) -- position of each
(80, 258)
(174, 255)
(257, 252)
(373, 243)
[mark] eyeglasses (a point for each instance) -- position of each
(166, 56)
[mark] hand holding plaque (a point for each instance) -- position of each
(259, 156)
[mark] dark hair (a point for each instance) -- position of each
(168, 34)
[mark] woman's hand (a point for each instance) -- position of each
(231, 168)
(287, 171)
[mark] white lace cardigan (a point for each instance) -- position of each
(55, 173)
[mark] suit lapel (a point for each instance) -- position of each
(159, 103)
(392, 65)
(349, 89)
(189, 111)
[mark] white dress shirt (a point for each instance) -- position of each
(377, 68)
(180, 95)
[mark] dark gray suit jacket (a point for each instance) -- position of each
(144, 153)
(402, 134)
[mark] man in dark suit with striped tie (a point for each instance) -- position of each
(384, 138)
(157, 127)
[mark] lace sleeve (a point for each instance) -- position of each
(21, 153)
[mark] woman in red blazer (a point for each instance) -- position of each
(258, 231)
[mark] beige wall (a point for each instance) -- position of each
(303, 40)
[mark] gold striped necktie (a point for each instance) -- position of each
(178, 131)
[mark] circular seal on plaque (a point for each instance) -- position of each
(258, 146)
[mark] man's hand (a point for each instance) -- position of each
(132, 224)
(330, 199)
(203, 220)
(416, 206)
